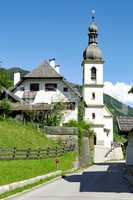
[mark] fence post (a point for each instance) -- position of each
(56, 151)
(48, 151)
(28, 153)
(14, 153)
(38, 153)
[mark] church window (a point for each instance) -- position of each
(50, 87)
(93, 116)
(34, 87)
(93, 73)
(93, 95)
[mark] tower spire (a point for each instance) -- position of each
(93, 12)
(93, 30)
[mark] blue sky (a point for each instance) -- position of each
(34, 30)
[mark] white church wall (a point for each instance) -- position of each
(87, 73)
(100, 135)
(87, 93)
(98, 115)
(108, 124)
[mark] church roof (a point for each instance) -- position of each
(93, 52)
(125, 123)
(44, 70)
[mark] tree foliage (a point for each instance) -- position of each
(81, 110)
(83, 127)
(4, 107)
(54, 118)
(4, 79)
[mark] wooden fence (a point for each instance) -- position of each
(27, 154)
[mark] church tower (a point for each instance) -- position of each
(93, 83)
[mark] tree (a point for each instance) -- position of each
(4, 107)
(55, 116)
(4, 79)
(84, 129)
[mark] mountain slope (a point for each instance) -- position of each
(12, 70)
(117, 109)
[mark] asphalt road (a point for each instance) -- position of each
(99, 182)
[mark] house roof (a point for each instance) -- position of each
(13, 96)
(44, 70)
(125, 123)
(74, 89)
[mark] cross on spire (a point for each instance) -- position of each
(93, 12)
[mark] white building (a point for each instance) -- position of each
(46, 85)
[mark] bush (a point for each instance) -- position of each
(4, 107)
(121, 139)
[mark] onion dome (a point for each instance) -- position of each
(93, 52)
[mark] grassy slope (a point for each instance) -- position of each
(15, 134)
(11, 171)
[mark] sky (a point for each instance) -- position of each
(32, 31)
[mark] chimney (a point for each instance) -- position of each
(57, 68)
(52, 63)
(16, 77)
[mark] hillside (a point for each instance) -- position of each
(12, 70)
(16, 134)
(117, 109)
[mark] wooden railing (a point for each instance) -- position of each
(27, 154)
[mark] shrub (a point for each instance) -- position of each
(4, 107)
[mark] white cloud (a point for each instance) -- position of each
(119, 91)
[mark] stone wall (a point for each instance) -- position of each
(70, 135)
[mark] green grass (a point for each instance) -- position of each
(11, 171)
(16, 134)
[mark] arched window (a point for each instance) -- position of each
(93, 95)
(93, 73)
(95, 140)
(93, 116)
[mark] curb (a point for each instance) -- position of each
(33, 188)
(19, 184)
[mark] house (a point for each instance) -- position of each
(45, 84)
(125, 125)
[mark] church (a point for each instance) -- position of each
(45, 85)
